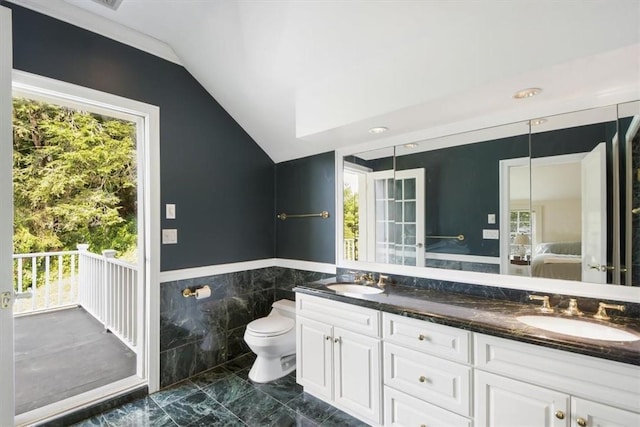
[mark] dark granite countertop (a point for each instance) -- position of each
(487, 316)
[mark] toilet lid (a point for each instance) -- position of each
(271, 325)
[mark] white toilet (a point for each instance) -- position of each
(273, 340)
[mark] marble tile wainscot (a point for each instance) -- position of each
(196, 335)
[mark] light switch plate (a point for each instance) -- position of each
(169, 236)
(170, 211)
(491, 234)
(491, 218)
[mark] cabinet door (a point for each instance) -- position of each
(503, 402)
(592, 414)
(357, 379)
(313, 361)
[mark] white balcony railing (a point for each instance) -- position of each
(104, 286)
(349, 249)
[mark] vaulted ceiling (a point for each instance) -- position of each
(304, 76)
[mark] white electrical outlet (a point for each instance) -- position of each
(491, 234)
(169, 236)
(491, 218)
(170, 211)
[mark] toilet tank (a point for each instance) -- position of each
(285, 307)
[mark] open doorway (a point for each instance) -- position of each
(82, 246)
(75, 250)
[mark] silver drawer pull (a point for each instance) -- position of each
(422, 378)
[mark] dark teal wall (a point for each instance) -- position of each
(306, 185)
(218, 177)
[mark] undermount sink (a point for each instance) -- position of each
(353, 289)
(578, 328)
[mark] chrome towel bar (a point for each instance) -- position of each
(323, 214)
(458, 237)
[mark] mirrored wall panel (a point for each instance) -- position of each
(465, 222)
(629, 160)
(554, 197)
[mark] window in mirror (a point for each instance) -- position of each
(521, 227)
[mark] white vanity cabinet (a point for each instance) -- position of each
(519, 384)
(339, 354)
(427, 376)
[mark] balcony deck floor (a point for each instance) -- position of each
(64, 353)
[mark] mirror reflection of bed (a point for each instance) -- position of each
(557, 260)
(553, 229)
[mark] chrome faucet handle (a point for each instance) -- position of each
(545, 307)
(602, 312)
(573, 309)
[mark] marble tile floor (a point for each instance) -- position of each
(224, 396)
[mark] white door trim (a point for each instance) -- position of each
(7, 404)
(149, 162)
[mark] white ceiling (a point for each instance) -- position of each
(304, 77)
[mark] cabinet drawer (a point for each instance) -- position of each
(605, 381)
(403, 410)
(441, 382)
(348, 316)
(439, 340)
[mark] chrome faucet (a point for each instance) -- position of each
(602, 312)
(573, 309)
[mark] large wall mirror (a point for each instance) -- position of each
(554, 197)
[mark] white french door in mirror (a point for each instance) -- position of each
(6, 224)
(409, 228)
(594, 215)
(380, 223)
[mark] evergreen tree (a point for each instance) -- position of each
(74, 179)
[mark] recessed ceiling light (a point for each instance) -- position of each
(379, 129)
(411, 145)
(527, 93)
(536, 122)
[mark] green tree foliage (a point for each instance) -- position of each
(351, 218)
(350, 213)
(74, 179)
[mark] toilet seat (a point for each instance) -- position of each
(270, 326)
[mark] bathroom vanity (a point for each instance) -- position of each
(415, 357)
